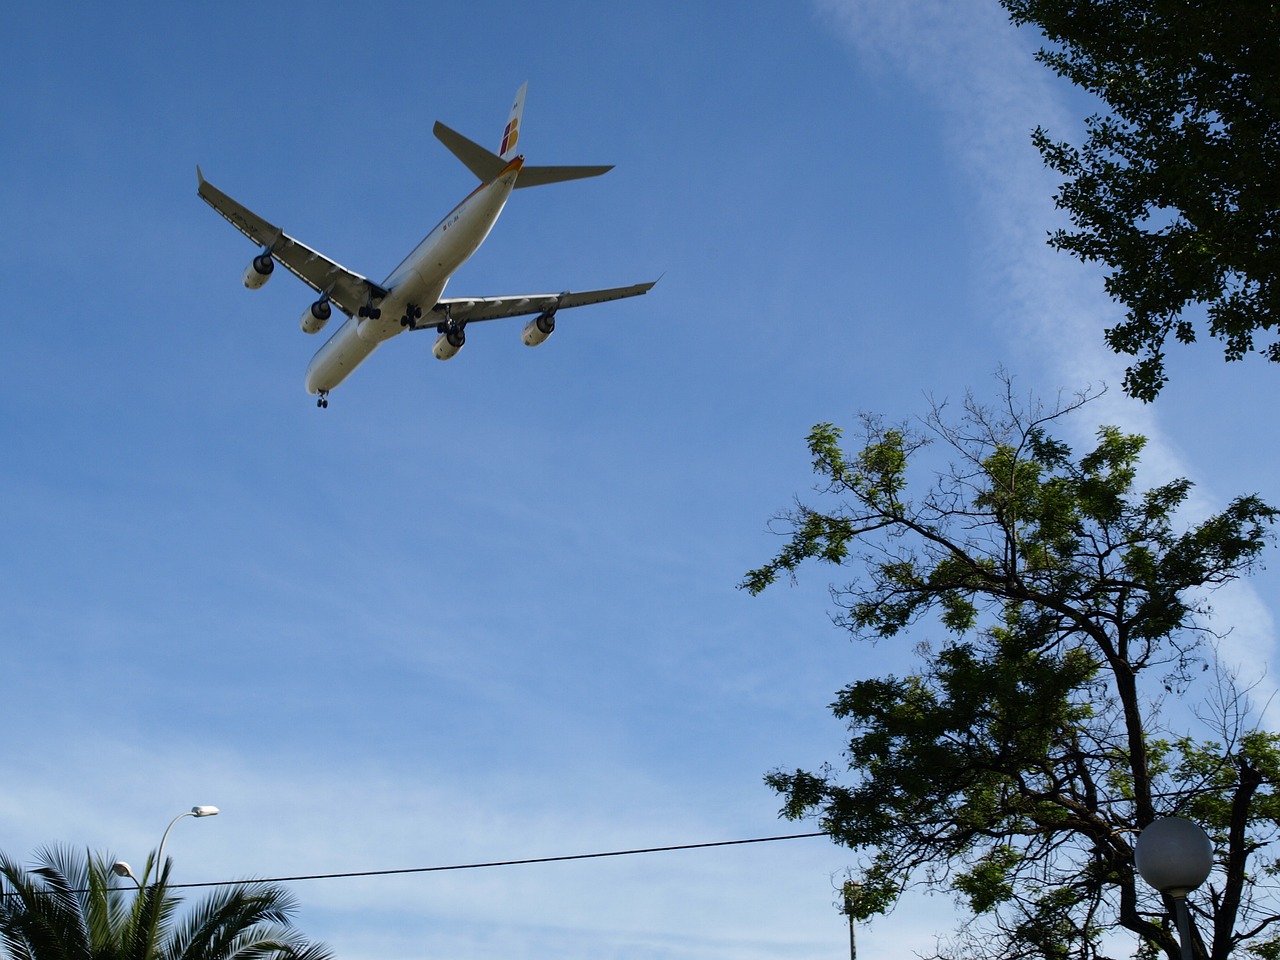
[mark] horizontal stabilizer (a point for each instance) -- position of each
(487, 166)
(478, 160)
(537, 176)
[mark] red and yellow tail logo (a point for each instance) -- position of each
(510, 136)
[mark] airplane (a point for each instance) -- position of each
(410, 298)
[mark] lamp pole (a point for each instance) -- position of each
(1175, 856)
(852, 893)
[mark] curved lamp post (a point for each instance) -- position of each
(1175, 856)
(193, 812)
(122, 869)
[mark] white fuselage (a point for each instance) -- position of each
(419, 280)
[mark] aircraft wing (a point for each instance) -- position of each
(474, 309)
(347, 289)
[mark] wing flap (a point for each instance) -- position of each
(476, 309)
(347, 289)
(242, 218)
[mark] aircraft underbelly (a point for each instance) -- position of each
(340, 355)
(453, 246)
(421, 277)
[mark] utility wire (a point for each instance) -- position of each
(497, 863)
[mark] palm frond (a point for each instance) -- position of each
(253, 916)
(69, 908)
(41, 917)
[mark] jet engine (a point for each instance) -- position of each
(449, 343)
(316, 316)
(538, 329)
(259, 271)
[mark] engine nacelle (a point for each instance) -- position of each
(259, 271)
(448, 344)
(316, 316)
(538, 329)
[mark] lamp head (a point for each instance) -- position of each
(122, 869)
(1173, 855)
(204, 811)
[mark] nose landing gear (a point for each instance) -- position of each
(323, 401)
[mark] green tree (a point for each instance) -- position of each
(1015, 765)
(69, 907)
(1175, 187)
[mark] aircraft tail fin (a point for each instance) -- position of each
(511, 133)
(486, 166)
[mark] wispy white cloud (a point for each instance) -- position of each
(289, 817)
(1047, 310)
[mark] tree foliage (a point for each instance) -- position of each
(1016, 765)
(1174, 188)
(69, 907)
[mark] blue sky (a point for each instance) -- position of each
(485, 609)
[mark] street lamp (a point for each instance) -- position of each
(193, 812)
(1175, 856)
(122, 869)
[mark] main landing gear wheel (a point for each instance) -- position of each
(412, 314)
(323, 401)
(373, 313)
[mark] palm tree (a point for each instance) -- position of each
(66, 908)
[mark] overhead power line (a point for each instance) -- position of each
(499, 863)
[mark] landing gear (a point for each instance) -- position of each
(412, 314)
(370, 311)
(323, 401)
(453, 333)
